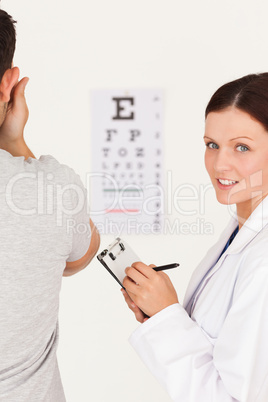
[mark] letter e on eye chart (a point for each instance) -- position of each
(126, 179)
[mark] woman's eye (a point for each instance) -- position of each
(212, 145)
(242, 148)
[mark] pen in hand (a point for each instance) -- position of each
(160, 268)
(164, 267)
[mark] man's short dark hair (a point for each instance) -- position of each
(7, 41)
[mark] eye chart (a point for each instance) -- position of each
(127, 161)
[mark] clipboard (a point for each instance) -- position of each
(116, 257)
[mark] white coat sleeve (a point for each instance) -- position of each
(192, 367)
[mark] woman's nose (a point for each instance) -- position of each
(222, 161)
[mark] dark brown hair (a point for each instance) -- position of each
(249, 93)
(7, 41)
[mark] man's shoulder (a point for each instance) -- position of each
(49, 162)
(60, 170)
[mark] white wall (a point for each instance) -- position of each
(187, 48)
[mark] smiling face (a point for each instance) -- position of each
(236, 158)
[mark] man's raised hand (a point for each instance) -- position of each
(16, 116)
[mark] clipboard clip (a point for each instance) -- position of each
(113, 251)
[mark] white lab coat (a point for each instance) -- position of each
(220, 353)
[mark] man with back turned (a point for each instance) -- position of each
(39, 244)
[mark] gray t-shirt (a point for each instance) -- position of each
(44, 222)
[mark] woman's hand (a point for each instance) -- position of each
(151, 291)
(140, 316)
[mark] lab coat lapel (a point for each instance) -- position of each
(253, 225)
(209, 260)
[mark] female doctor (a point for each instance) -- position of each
(214, 347)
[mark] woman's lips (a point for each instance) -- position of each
(226, 186)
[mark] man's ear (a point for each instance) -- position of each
(9, 80)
